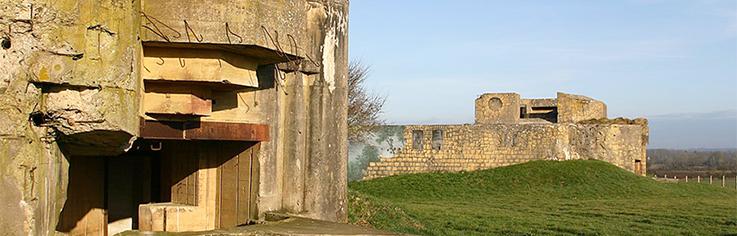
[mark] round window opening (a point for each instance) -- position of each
(495, 103)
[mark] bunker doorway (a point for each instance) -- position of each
(215, 184)
(103, 193)
(108, 195)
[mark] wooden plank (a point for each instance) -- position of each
(229, 188)
(244, 182)
(236, 199)
(84, 210)
(193, 179)
(214, 160)
(254, 181)
(183, 163)
(166, 172)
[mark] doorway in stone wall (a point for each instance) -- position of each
(638, 167)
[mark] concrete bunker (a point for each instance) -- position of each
(171, 116)
(187, 170)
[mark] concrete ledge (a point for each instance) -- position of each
(164, 216)
(285, 225)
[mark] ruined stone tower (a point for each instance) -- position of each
(511, 130)
(125, 115)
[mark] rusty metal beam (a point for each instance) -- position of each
(203, 130)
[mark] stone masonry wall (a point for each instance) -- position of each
(475, 147)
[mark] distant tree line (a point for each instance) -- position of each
(692, 162)
(364, 108)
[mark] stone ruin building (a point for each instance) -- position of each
(168, 115)
(510, 130)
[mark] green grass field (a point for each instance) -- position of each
(542, 197)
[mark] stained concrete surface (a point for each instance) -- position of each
(288, 226)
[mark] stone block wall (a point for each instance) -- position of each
(476, 147)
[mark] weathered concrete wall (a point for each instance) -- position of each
(275, 25)
(618, 144)
(475, 147)
(575, 108)
(327, 150)
(71, 85)
(492, 108)
(69, 77)
(303, 167)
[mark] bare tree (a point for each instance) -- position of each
(363, 108)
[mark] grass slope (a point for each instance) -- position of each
(542, 197)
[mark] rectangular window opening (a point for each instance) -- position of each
(417, 139)
(437, 139)
(523, 112)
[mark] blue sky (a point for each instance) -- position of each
(645, 58)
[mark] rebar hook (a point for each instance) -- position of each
(228, 32)
(156, 29)
(187, 29)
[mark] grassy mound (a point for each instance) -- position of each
(542, 197)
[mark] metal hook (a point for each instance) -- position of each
(162, 61)
(293, 43)
(276, 44)
(156, 29)
(228, 32)
(298, 47)
(181, 62)
(187, 29)
(156, 148)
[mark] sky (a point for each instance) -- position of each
(667, 60)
